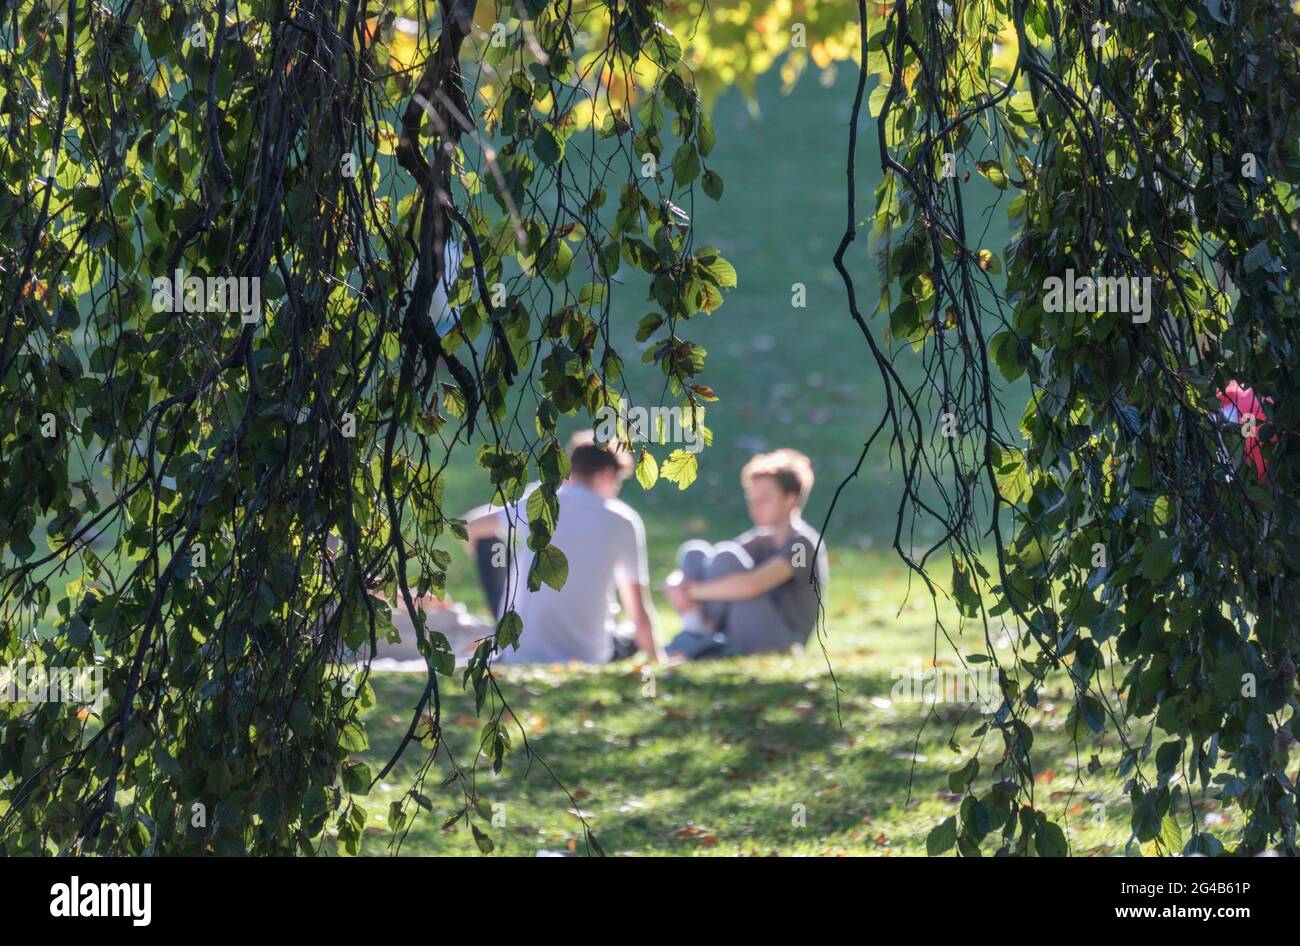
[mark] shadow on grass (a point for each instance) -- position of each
(753, 755)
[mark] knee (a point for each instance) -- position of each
(729, 558)
(693, 556)
(693, 548)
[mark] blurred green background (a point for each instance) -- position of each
(811, 754)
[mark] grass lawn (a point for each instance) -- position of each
(716, 761)
(725, 757)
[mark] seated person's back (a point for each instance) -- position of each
(603, 540)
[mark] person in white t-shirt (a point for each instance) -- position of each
(603, 540)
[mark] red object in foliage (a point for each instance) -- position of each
(1237, 404)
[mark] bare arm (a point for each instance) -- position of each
(742, 586)
(635, 599)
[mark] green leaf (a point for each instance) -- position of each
(876, 101)
(593, 293)
(712, 184)
(1005, 349)
(942, 837)
(1049, 839)
(964, 591)
(100, 234)
(558, 259)
(686, 165)
(1159, 559)
(713, 263)
(647, 469)
(705, 136)
(648, 325)
(960, 778)
(548, 148)
(357, 778)
(21, 545)
(993, 171)
(1171, 834)
(975, 821)
(549, 567)
(681, 468)
(509, 628)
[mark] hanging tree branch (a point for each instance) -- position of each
(1141, 546)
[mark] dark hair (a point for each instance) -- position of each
(587, 458)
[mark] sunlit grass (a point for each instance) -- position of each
(726, 757)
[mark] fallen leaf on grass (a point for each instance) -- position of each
(695, 832)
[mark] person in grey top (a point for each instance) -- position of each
(760, 592)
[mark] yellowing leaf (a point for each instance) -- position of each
(647, 469)
(681, 468)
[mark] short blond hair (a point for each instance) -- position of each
(791, 469)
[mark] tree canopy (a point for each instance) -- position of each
(275, 465)
(267, 266)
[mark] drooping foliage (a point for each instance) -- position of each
(1134, 531)
(265, 266)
